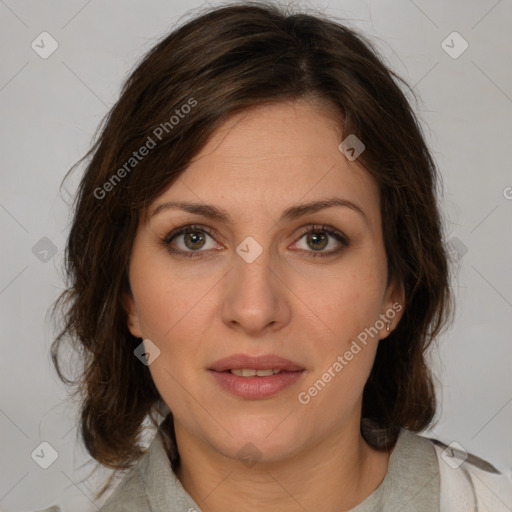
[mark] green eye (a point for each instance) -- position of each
(192, 241)
(318, 238)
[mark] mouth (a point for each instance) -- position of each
(250, 372)
(266, 363)
(255, 377)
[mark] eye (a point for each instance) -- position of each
(318, 238)
(194, 240)
(189, 241)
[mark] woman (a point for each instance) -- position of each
(256, 265)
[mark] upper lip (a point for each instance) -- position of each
(264, 362)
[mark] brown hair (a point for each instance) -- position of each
(226, 60)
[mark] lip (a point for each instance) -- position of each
(263, 362)
(255, 387)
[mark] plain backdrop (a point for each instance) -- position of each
(50, 108)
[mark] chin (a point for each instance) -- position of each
(267, 439)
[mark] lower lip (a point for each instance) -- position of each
(255, 387)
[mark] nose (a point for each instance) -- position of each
(256, 301)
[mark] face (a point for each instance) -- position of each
(256, 274)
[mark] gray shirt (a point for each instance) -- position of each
(411, 483)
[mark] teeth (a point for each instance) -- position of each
(251, 373)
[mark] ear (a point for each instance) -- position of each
(132, 315)
(393, 307)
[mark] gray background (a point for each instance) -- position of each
(51, 107)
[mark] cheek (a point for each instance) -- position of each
(344, 353)
(175, 314)
(177, 322)
(348, 304)
(348, 298)
(165, 300)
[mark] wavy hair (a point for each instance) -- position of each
(223, 61)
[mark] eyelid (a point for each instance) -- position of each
(186, 229)
(165, 242)
(342, 239)
(336, 233)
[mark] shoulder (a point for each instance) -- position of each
(150, 485)
(468, 482)
(129, 495)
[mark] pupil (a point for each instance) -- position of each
(195, 239)
(315, 238)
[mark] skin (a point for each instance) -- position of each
(286, 302)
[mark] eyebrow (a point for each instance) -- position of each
(292, 213)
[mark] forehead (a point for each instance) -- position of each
(282, 154)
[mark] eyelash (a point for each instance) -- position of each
(193, 228)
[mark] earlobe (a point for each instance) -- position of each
(132, 316)
(394, 307)
(397, 299)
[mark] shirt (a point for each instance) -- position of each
(412, 480)
(418, 479)
(411, 483)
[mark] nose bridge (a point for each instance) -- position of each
(252, 273)
(254, 298)
(252, 265)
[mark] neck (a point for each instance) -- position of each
(335, 475)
